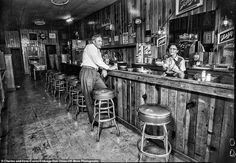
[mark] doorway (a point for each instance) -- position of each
(50, 56)
(18, 65)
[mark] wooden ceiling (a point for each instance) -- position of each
(17, 14)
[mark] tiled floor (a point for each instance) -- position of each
(38, 127)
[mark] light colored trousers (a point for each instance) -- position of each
(90, 80)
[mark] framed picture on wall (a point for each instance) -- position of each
(33, 36)
(183, 6)
(52, 35)
(225, 36)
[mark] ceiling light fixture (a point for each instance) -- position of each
(69, 20)
(59, 2)
(161, 30)
(225, 21)
(39, 22)
(91, 22)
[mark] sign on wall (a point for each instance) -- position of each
(208, 37)
(52, 35)
(139, 54)
(161, 41)
(183, 6)
(225, 36)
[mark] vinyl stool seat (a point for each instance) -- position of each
(152, 113)
(103, 94)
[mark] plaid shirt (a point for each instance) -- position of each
(177, 63)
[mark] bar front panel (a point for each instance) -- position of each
(201, 123)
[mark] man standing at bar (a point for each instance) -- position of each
(89, 76)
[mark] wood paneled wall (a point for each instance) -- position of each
(39, 44)
(12, 39)
(154, 14)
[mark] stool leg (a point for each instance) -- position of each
(84, 104)
(66, 92)
(99, 122)
(114, 120)
(34, 75)
(69, 105)
(94, 114)
(66, 96)
(54, 93)
(46, 82)
(166, 141)
(142, 141)
(108, 111)
(59, 94)
(80, 102)
(50, 85)
(77, 105)
(55, 90)
(77, 112)
(71, 101)
(69, 97)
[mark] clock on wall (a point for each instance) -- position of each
(138, 20)
(42, 36)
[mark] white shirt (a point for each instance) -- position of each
(92, 57)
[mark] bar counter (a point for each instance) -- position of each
(202, 112)
(70, 69)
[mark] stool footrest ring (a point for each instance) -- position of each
(154, 137)
(154, 155)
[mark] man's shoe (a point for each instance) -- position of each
(95, 124)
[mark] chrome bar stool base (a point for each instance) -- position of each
(154, 115)
(104, 110)
(81, 105)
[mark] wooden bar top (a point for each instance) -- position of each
(210, 88)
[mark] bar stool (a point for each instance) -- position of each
(59, 85)
(68, 80)
(47, 79)
(52, 81)
(76, 97)
(49, 82)
(154, 115)
(104, 108)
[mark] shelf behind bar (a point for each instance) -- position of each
(119, 46)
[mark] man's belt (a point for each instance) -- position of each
(89, 67)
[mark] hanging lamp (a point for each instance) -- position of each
(59, 2)
(225, 21)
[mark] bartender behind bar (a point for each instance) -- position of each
(174, 65)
